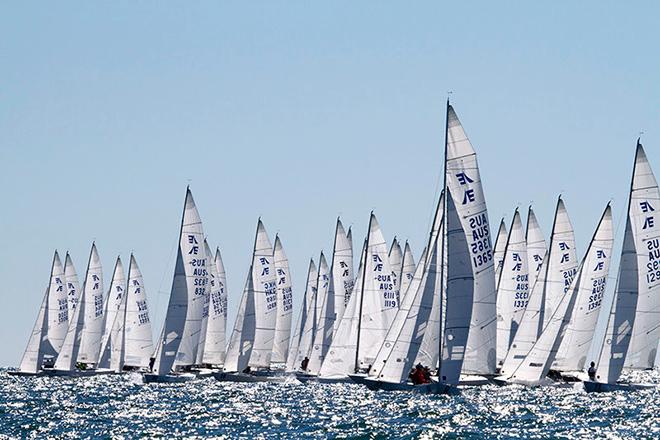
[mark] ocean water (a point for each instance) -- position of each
(123, 407)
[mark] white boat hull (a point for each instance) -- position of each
(250, 378)
(168, 378)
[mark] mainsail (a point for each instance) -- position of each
(183, 321)
(637, 281)
(464, 183)
(91, 305)
(284, 305)
(512, 288)
(214, 350)
(72, 285)
(138, 343)
(211, 289)
(557, 271)
(304, 330)
(407, 269)
(395, 257)
(593, 272)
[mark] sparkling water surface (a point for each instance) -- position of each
(122, 407)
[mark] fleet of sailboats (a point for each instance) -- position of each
(516, 312)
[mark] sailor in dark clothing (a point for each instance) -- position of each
(304, 363)
(592, 371)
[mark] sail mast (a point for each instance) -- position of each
(443, 228)
(364, 274)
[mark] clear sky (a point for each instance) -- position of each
(299, 112)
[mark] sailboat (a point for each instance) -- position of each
(554, 280)
(536, 247)
(637, 292)
(251, 344)
(342, 277)
(111, 354)
(178, 343)
(284, 307)
(137, 339)
(200, 368)
(438, 325)
(512, 287)
(583, 295)
(303, 333)
(368, 315)
(214, 350)
(82, 344)
(395, 257)
(50, 327)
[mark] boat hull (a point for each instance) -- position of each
(597, 387)
(77, 373)
(427, 388)
(25, 373)
(249, 378)
(167, 378)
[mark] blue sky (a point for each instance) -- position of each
(298, 112)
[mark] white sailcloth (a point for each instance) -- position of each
(51, 325)
(536, 247)
(214, 351)
(644, 206)
(183, 321)
(324, 318)
(593, 271)
(342, 280)
(407, 269)
(464, 183)
(576, 341)
(72, 285)
(368, 315)
(138, 342)
(557, 271)
(113, 329)
(395, 257)
(241, 340)
(513, 288)
(92, 309)
(284, 305)
(498, 250)
(304, 330)
(68, 355)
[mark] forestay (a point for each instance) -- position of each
(464, 182)
(284, 305)
(183, 321)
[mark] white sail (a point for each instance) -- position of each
(512, 288)
(265, 299)
(212, 288)
(138, 342)
(498, 250)
(593, 272)
(557, 271)
(68, 355)
(72, 285)
(342, 281)
(91, 305)
(368, 315)
(464, 183)
(241, 340)
(183, 321)
(51, 325)
(33, 356)
(113, 329)
(395, 258)
(324, 318)
(536, 247)
(578, 336)
(284, 305)
(644, 206)
(304, 330)
(214, 350)
(407, 269)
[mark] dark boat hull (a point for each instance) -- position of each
(597, 387)
(249, 378)
(427, 388)
(167, 378)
